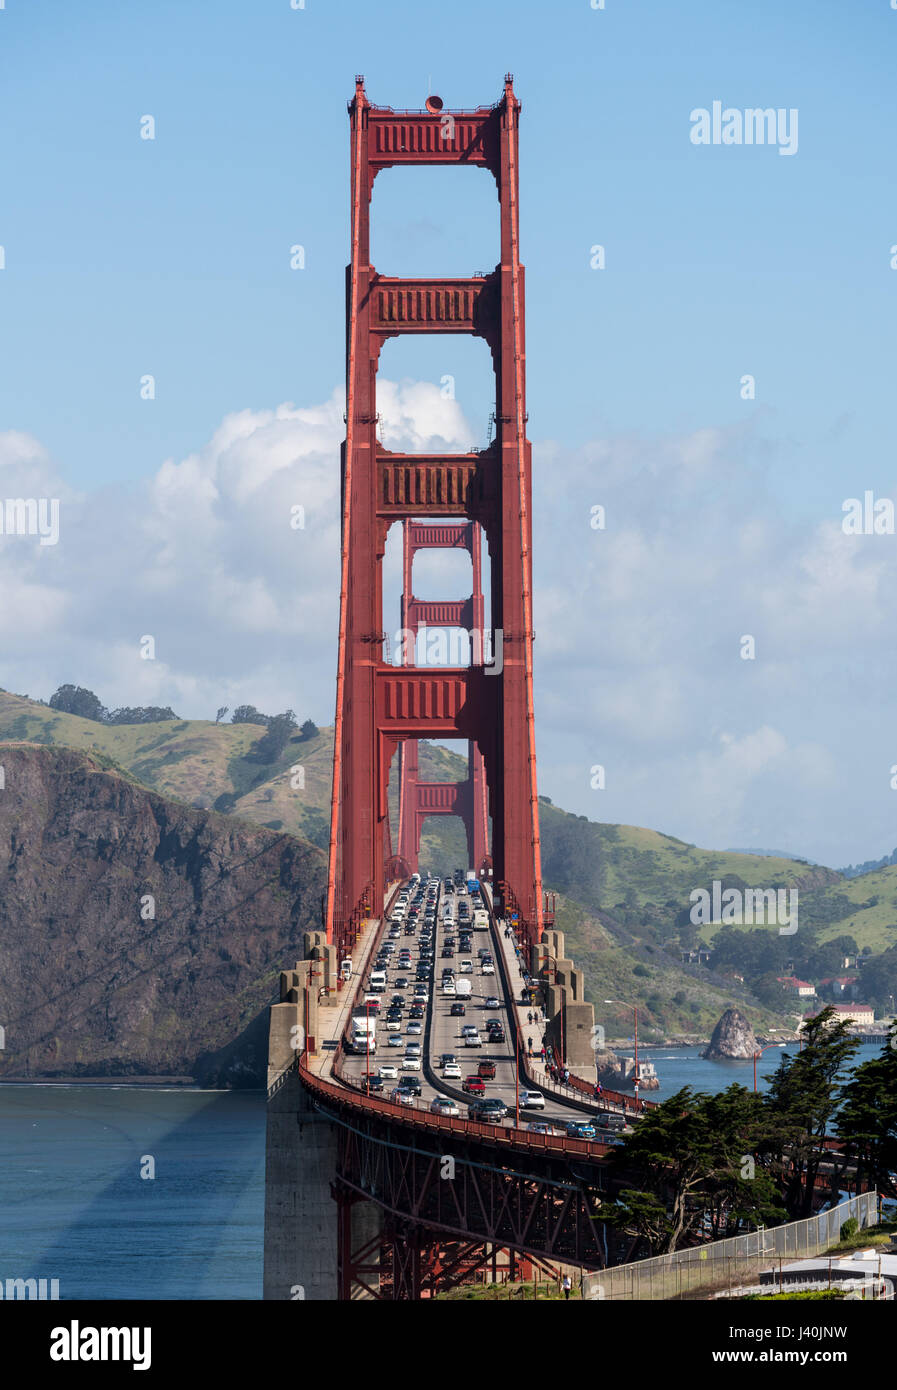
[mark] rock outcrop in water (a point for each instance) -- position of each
(733, 1037)
(139, 936)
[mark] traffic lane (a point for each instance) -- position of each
(446, 1033)
(356, 1066)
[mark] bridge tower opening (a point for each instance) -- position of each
(380, 706)
(417, 799)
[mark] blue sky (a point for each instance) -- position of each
(171, 257)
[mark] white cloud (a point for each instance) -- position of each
(638, 626)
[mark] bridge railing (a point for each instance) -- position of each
(424, 1119)
(728, 1264)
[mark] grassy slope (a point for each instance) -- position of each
(595, 866)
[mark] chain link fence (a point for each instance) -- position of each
(728, 1263)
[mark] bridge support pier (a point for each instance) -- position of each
(300, 1214)
(300, 1144)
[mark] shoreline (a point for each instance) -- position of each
(180, 1083)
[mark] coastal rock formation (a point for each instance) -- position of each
(139, 936)
(733, 1037)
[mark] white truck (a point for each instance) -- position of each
(363, 1034)
(463, 988)
(481, 919)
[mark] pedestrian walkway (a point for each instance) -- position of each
(332, 1020)
(514, 966)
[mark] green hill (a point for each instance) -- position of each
(625, 890)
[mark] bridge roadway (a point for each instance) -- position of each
(441, 1032)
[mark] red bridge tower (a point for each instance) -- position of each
(379, 706)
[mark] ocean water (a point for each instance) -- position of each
(74, 1207)
(684, 1066)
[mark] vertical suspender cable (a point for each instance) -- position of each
(521, 482)
(347, 508)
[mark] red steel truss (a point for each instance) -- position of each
(378, 706)
(451, 1206)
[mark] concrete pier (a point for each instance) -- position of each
(301, 1235)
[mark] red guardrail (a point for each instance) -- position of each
(495, 1134)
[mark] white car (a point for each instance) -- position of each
(412, 1049)
(532, 1100)
(488, 968)
(466, 967)
(448, 987)
(421, 996)
(473, 1039)
(394, 1025)
(388, 1072)
(492, 1002)
(413, 1028)
(395, 1040)
(410, 1064)
(443, 1106)
(451, 1072)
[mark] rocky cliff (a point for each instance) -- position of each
(138, 935)
(733, 1036)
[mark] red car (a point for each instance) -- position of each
(473, 1085)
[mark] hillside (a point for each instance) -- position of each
(864, 908)
(210, 766)
(625, 889)
(674, 1000)
(88, 987)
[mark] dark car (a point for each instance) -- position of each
(458, 1009)
(410, 1086)
(608, 1119)
(490, 1109)
(416, 1011)
(371, 1085)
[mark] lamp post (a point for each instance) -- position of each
(634, 1007)
(759, 1053)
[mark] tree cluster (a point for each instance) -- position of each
(712, 1166)
(75, 699)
